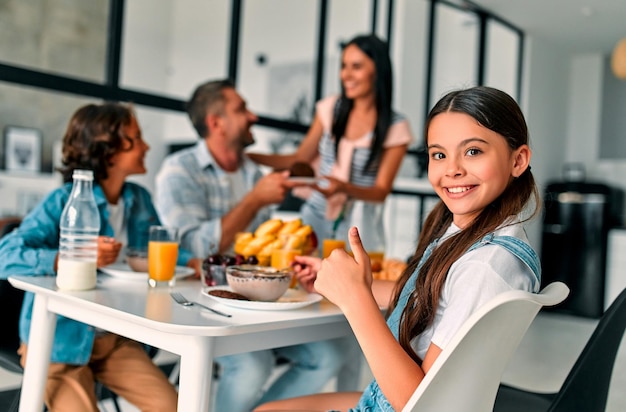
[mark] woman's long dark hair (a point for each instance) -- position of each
(94, 134)
(498, 112)
(378, 51)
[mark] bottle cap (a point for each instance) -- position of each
(80, 174)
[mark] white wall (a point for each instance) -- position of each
(585, 110)
(544, 101)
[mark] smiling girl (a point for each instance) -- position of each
(473, 247)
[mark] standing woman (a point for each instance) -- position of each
(359, 140)
(106, 139)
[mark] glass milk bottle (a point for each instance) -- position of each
(80, 226)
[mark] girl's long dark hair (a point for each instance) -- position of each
(378, 51)
(498, 112)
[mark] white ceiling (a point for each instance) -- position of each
(579, 26)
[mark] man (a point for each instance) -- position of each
(212, 191)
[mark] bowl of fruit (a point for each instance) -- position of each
(214, 268)
(260, 283)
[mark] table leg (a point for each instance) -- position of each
(196, 374)
(40, 340)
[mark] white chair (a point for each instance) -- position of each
(466, 375)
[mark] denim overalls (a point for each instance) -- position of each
(373, 399)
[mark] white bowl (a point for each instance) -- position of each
(262, 283)
(137, 259)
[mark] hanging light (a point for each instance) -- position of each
(618, 60)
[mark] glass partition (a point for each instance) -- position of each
(340, 31)
(277, 57)
(455, 61)
(170, 49)
(502, 57)
(60, 37)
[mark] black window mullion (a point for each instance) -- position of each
(421, 157)
(374, 15)
(482, 48)
(520, 67)
(235, 25)
(430, 54)
(321, 46)
(389, 23)
(114, 43)
(69, 85)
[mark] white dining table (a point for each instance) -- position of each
(132, 309)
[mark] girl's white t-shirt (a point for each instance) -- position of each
(473, 280)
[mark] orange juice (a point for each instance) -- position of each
(162, 260)
(376, 260)
(328, 245)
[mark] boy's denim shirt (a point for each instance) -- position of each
(31, 250)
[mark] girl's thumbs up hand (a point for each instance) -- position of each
(342, 278)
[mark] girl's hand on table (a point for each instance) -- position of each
(108, 250)
(306, 268)
(344, 279)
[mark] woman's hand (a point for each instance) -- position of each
(330, 186)
(306, 268)
(344, 279)
(108, 249)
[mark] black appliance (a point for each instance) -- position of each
(576, 221)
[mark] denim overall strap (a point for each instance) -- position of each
(519, 249)
(393, 321)
(373, 400)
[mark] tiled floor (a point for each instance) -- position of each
(544, 357)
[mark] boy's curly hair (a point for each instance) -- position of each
(94, 134)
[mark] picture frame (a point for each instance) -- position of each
(22, 149)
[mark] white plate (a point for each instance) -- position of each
(305, 180)
(292, 299)
(123, 271)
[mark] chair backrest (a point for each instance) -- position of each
(587, 385)
(11, 304)
(466, 375)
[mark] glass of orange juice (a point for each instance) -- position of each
(162, 255)
(376, 260)
(328, 245)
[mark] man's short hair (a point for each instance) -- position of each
(207, 97)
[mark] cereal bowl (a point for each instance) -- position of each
(137, 259)
(262, 283)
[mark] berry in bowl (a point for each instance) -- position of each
(261, 283)
(214, 268)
